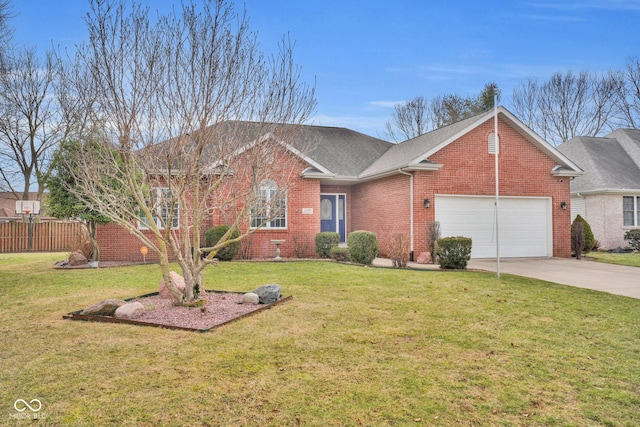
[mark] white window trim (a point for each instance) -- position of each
(267, 185)
(142, 225)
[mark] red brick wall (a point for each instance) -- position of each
(301, 228)
(469, 169)
(116, 244)
(382, 207)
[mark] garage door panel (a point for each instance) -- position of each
(525, 224)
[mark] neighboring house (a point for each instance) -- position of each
(608, 194)
(349, 181)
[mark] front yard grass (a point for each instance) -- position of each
(629, 259)
(355, 346)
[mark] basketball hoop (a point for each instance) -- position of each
(28, 207)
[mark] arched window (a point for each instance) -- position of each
(270, 208)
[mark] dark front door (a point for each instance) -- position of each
(332, 214)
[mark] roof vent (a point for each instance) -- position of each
(494, 148)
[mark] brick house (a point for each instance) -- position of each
(349, 181)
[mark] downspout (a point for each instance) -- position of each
(410, 211)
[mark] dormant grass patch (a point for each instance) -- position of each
(355, 346)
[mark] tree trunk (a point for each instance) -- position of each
(92, 226)
(176, 294)
(193, 289)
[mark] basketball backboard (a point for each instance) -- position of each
(27, 207)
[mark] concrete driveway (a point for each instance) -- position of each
(615, 279)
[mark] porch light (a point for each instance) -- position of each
(427, 203)
(563, 205)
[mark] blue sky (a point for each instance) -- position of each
(367, 55)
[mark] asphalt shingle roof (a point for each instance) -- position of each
(610, 163)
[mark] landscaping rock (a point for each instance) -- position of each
(104, 308)
(268, 293)
(177, 280)
(250, 298)
(424, 258)
(129, 311)
(77, 258)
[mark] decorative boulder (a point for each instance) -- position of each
(104, 308)
(77, 258)
(130, 310)
(424, 258)
(268, 293)
(250, 298)
(177, 280)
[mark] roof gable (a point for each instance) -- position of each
(415, 152)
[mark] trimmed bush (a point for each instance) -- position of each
(325, 241)
(589, 239)
(363, 247)
(339, 254)
(212, 237)
(453, 252)
(633, 237)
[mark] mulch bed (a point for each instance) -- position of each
(219, 308)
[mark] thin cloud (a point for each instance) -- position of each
(385, 104)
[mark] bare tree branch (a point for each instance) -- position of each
(195, 120)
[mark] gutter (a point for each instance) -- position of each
(410, 211)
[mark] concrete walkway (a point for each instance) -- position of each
(599, 276)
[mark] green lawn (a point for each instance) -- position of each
(355, 346)
(621, 259)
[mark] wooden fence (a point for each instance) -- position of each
(45, 236)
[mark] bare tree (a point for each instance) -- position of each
(451, 108)
(197, 123)
(629, 95)
(417, 116)
(6, 31)
(30, 125)
(567, 105)
(409, 120)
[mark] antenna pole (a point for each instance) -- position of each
(497, 151)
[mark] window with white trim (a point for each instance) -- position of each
(631, 211)
(270, 208)
(163, 208)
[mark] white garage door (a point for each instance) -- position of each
(525, 224)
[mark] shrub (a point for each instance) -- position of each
(245, 247)
(633, 237)
(212, 237)
(301, 245)
(589, 239)
(325, 241)
(399, 250)
(339, 254)
(577, 238)
(453, 252)
(363, 246)
(433, 234)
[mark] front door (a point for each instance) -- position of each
(332, 214)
